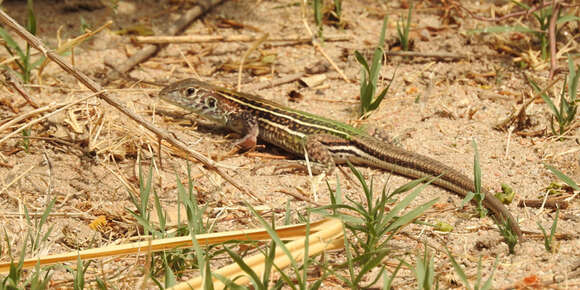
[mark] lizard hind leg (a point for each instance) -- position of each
(319, 157)
(318, 152)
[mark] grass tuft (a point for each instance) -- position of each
(24, 61)
(479, 195)
(565, 113)
(403, 28)
(548, 239)
(463, 276)
(542, 17)
(370, 75)
(371, 226)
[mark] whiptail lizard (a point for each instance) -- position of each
(326, 141)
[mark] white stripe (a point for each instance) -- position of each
(281, 115)
(285, 128)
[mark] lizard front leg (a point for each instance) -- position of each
(246, 125)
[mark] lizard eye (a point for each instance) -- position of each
(190, 91)
(211, 102)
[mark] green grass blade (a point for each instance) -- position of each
(476, 167)
(387, 281)
(458, 270)
(268, 263)
(12, 44)
(161, 215)
(563, 177)
(413, 214)
(383, 30)
(573, 76)
(520, 4)
(31, 19)
(567, 18)
(554, 225)
(408, 186)
(170, 278)
(375, 69)
(360, 178)
(487, 285)
(547, 244)
(317, 5)
(403, 204)
(274, 237)
(362, 61)
(544, 96)
(375, 104)
(247, 269)
(79, 277)
(306, 258)
(408, 28)
(142, 221)
(229, 283)
(371, 264)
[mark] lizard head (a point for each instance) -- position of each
(197, 97)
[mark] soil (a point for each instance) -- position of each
(87, 157)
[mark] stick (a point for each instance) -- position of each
(150, 50)
(515, 14)
(514, 115)
(105, 96)
(552, 37)
(11, 80)
(317, 45)
(280, 81)
(550, 203)
(231, 38)
(438, 55)
(29, 124)
(290, 232)
(23, 116)
(245, 56)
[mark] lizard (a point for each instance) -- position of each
(324, 140)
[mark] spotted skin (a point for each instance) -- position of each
(326, 141)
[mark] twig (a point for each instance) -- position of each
(191, 67)
(51, 214)
(16, 179)
(149, 50)
(23, 116)
(550, 203)
(246, 54)
(318, 47)
(300, 197)
(338, 70)
(72, 43)
(29, 124)
(49, 173)
(231, 38)
(56, 140)
(280, 81)
(438, 55)
(514, 115)
(552, 36)
(12, 81)
(510, 15)
(93, 86)
(9, 60)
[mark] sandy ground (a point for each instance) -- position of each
(85, 156)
